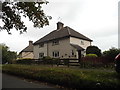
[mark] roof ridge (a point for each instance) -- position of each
(68, 30)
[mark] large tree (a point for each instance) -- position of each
(12, 12)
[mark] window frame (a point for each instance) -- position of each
(55, 42)
(56, 54)
(41, 54)
(41, 45)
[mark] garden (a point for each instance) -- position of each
(70, 77)
(92, 71)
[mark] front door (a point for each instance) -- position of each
(79, 54)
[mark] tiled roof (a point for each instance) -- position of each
(28, 49)
(61, 33)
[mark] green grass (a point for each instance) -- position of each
(68, 77)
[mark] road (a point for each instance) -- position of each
(9, 81)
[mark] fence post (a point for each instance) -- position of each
(68, 62)
(58, 62)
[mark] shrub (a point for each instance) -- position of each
(91, 55)
(47, 60)
(93, 50)
(111, 53)
(24, 61)
(95, 62)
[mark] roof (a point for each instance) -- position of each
(61, 33)
(77, 47)
(28, 49)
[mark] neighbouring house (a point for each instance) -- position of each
(64, 42)
(27, 52)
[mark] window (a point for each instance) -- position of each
(72, 53)
(56, 54)
(41, 55)
(41, 45)
(82, 42)
(55, 42)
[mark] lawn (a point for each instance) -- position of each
(72, 77)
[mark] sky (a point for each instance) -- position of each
(96, 19)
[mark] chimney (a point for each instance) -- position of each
(60, 25)
(30, 43)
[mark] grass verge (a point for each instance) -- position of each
(67, 77)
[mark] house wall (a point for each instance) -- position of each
(27, 55)
(63, 47)
(75, 52)
(37, 50)
(77, 41)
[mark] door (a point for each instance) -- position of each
(79, 54)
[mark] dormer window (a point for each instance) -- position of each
(55, 42)
(41, 45)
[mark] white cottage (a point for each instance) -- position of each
(64, 42)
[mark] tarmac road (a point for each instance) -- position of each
(9, 81)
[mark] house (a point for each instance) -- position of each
(64, 42)
(27, 52)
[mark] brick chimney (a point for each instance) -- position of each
(59, 25)
(30, 43)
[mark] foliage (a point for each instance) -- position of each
(49, 60)
(93, 50)
(111, 53)
(12, 12)
(7, 55)
(96, 62)
(91, 55)
(68, 77)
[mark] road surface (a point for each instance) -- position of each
(9, 81)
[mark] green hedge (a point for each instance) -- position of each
(72, 78)
(44, 60)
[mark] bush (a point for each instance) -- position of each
(47, 60)
(93, 50)
(91, 55)
(111, 53)
(24, 61)
(95, 62)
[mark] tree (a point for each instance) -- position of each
(93, 50)
(12, 12)
(111, 53)
(7, 55)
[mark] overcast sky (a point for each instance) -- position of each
(96, 19)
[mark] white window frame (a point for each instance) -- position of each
(42, 55)
(55, 54)
(41, 45)
(55, 42)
